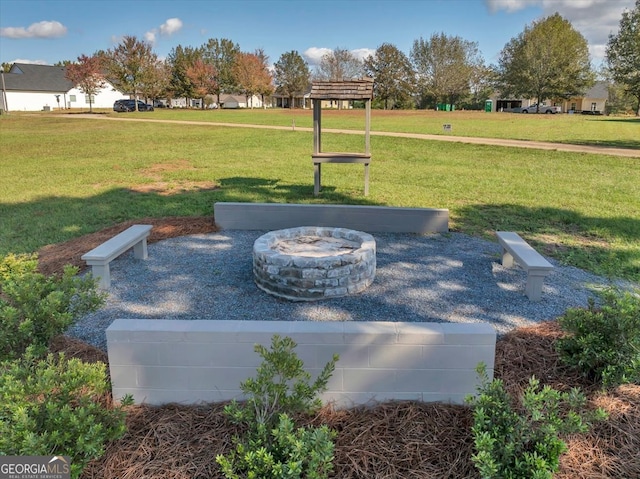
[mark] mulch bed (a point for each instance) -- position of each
(389, 440)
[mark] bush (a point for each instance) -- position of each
(56, 406)
(273, 448)
(283, 452)
(604, 342)
(35, 308)
(509, 445)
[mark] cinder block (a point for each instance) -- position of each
(217, 378)
(471, 334)
(162, 377)
(420, 333)
(395, 356)
(370, 332)
(123, 354)
(456, 356)
(370, 380)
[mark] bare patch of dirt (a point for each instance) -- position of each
(52, 258)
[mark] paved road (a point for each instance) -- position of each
(537, 145)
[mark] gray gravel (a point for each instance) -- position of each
(440, 278)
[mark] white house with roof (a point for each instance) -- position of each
(29, 87)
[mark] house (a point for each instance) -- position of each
(240, 101)
(29, 87)
(593, 101)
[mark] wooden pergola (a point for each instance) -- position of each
(345, 90)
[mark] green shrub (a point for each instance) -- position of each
(281, 386)
(604, 342)
(283, 452)
(273, 448)
(56, 406)
(35, 308)
(512, 446)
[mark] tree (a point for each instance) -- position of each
(157, 82)
(549, 60)
(623, 54)
(87, 76)
(179, 60)
(338, 65)
(222, 54)
(446, 66)
(291, 75)
(130, 64)
(251, 74)
(394, 79)
(6, 67)
(203, 78)
(265, 89)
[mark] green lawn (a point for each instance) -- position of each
(63, 177)
(578, 129)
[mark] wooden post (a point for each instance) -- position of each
(367, 128)
(317, 126)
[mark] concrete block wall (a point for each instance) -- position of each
(165, 361)
(372, 219)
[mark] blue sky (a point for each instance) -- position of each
(53, 30)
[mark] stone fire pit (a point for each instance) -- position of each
(310, 263)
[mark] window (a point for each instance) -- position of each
(72, 98)
(593, 107)
(574, 107)
(93, 99)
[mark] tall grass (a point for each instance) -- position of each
(64, 177)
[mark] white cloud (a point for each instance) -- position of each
(510, 5)
(362, 53)
(31, 62)
(314, 55)
(171, 26)
(35, 30)
(594, 19)
(168, 28)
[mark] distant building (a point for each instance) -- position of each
(29, 87)
(593, 101)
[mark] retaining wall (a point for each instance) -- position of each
(164, 361)
(372, 219)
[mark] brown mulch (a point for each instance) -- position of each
(52, 258)
(389, 440)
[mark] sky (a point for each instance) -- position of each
(45, 32)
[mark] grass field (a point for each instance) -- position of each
(577, 129)
(63, 177)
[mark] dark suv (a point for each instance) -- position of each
(130, 105)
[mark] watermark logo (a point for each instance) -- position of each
(35, 467)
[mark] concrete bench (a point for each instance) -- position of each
(514, 247)
(99, 257)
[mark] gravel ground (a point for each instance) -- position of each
(439, 278)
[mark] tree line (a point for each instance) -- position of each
(549, 59)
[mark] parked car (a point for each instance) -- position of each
(130, 105)
(543, 109)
